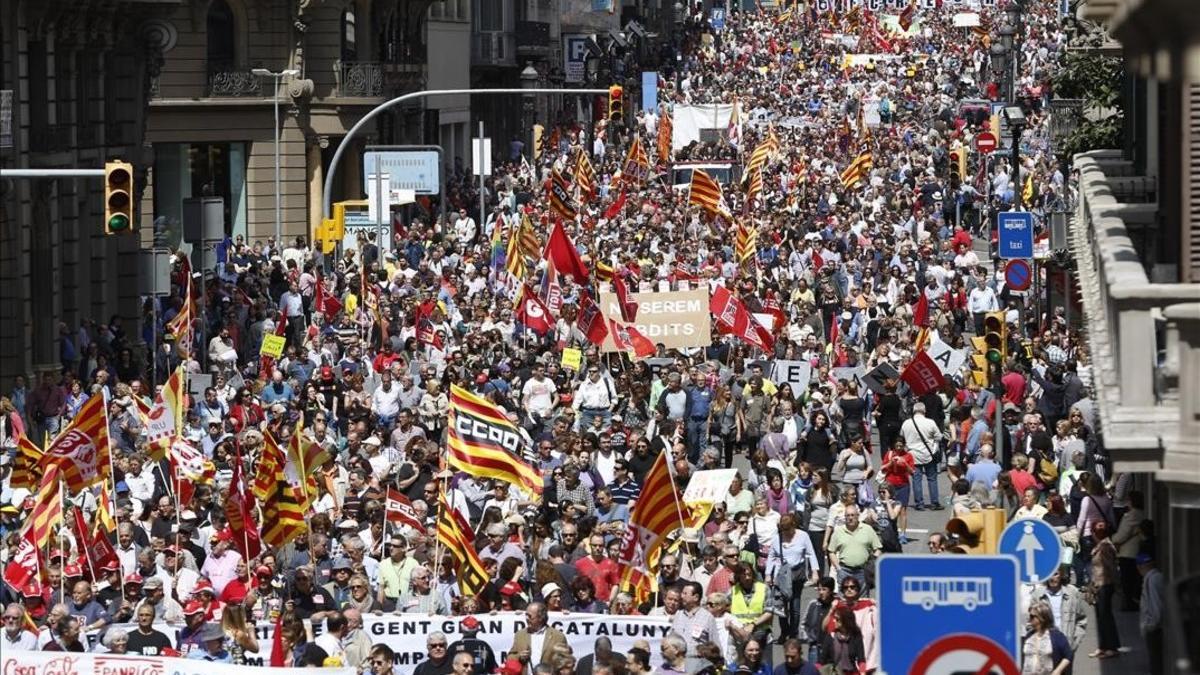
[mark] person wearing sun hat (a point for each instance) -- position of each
(212, 645)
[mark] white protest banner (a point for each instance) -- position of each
(848, 373)
(676, 320)
(795, 373)
(948, 359)
(405, 633)
(69, 663)
(707, 487)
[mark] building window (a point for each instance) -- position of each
(349, 37)
(222, 34)
(183, 170)
(491, 16)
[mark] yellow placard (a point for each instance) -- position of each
(572, 358)
(272, 345)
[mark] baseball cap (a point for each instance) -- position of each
(193, 607)
(72, 570)
(134, 578)
(470, 623)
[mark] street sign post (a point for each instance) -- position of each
(1018, 275)
(1014, 234)
(1035, 546)
(985, 142)
(924, 599)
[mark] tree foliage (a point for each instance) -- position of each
(1095, 77)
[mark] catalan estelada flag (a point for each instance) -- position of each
(483, 443)
(453, 531)
(81, 451)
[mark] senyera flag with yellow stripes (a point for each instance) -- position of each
(483, 443)
(81, 451)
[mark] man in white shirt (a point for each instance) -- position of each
(980, 301)
(385, 400)
(593, 398)
(538, 394)
(14, 636)
(922, 437)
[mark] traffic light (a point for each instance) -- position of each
(538, 130)
(616, 103)
(995, 336)
(118, 197)
(977, 532)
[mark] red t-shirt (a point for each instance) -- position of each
(898, 474)
(603, 575)
(1014, 388)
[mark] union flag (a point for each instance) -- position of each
(482, 442)
(657, 513)
(81, 451)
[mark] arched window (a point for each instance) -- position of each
(222, 38)
(349, 37)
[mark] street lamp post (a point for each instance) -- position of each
(276, 77)
(1006, 40)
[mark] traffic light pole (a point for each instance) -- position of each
(51, 173)
(331, 175)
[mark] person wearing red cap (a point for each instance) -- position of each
(481, 652)
(204, 593)
(189, 636)
(121, 608)
(221, 565)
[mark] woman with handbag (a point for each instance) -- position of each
(855, 466)
(792, 561)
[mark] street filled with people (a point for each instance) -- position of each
(474, 446)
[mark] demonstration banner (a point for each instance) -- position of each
(406, 633)
(69, 663)
(676, 319)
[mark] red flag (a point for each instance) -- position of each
(921, 311)
(923, 375)
(533, 313)
(400, 510)
(629, 339)
(324, 302)
(817, 261)
(629, 308)
(835, 330)
(907, 14)
(561, 252)
(239, 508)
(25, 566)
(590, 321)
(277, 653)
(96, 550)
(616, 207)
(732, 318)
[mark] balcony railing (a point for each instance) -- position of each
(1138, 389)
(359, 79)
(233, 83)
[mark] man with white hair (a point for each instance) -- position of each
(922, 436)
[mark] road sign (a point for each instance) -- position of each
(1035, 546)
(985, 142)
(1014, 234)
(926, 598)
(416, 170)
(964, 654)
(1017, 275)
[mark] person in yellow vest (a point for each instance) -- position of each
(751, 601)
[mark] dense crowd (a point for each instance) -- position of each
(827, 474)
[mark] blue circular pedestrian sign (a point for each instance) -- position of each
(1036, 547)
(1018, 275)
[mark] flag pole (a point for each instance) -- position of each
(112, 477)
(62, 577)
(237, 450)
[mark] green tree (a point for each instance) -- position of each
(1094, 77)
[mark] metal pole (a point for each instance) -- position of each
(51, 173)
(482, 161)
(331, 174)
(278, 206)
(379, 205)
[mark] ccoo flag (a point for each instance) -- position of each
(81, 451)
(482, 442)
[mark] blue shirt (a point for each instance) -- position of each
(983, 472)
(202, 654)
(701, 401)
(270, 394)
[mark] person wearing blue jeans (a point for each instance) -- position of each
(930, 472)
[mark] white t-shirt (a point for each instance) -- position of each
(539, 395)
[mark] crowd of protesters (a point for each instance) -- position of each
(827, 475)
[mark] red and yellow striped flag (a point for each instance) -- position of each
(164, 420)
(308, 457)
(857, 169)
(104, 516)
(482, 442)
(706, 193)
(665, 131)
(745, 244)
(27, 469)
(81, 451)
(282, 500)
(657, 513)
(754, 189)
(585, 175)
(47, 509)
(180, 326)
(453, 531)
